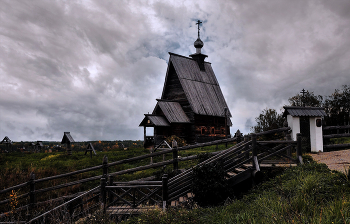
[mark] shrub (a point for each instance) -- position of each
(180, 141)
(209, 186)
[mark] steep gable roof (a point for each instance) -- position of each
(201, 87)
(67, 138)
(6, 140)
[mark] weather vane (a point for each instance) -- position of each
(198, 23)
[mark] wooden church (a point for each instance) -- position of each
(192, 105)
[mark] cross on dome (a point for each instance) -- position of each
(198, 23)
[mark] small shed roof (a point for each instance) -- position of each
(6, 140)
(67, 138)
(304, 111)
(151, 120)
(173, 112)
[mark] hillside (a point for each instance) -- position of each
(309, 193)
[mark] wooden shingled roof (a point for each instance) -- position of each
(151, 120)
(173, 112)
(67, 138)
(201, 87)
(304, 111)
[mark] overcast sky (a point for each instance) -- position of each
(94, 68)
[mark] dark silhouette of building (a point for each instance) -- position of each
(192, 105)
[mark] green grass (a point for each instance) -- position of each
(16, 168)
(343, 140)
(310, 193)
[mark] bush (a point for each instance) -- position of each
(209, 186)
(180, 141)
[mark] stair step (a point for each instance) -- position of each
(174, 203)
(231, 174)
(190, 195)
(239, 169)
(182, 199)
(245, 166)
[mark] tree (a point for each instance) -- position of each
(309, 99)
(337, 106)
(268, 119)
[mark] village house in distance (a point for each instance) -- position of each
(192, 105)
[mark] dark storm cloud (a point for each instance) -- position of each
(95, 67)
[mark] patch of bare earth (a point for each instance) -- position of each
(336, 160)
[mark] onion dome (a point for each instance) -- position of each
(198, 43)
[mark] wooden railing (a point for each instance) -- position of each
(327, 137)
(32, 183)
(135, 193)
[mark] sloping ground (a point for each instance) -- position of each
(307, 193)
(336, 160)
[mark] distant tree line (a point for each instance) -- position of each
(337, 107)
(76, 146)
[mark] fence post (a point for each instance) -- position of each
(175, 156)
(246, 148)
(299, 153)
(165, 190)
(105, 166)
(110, 195)
(103, 193)
(32, 189)
(152, 156)
(255, 153)
(104, 183)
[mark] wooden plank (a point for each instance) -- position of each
(132, 186)
(137, 182)
(68, 184)
(18, 197)
(269, 150)
(277, 142)
(337, 146)
(240, 177)
(127, 210)
(337, 135)
(336, 127)
(14, 187)
(274, 153)
(154, 165)
(273, 131)
(68, 174)
(140, 157)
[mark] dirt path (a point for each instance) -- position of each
(337, 160)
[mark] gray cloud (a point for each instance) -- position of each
(94, 68)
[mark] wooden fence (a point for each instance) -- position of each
(31, 185)
(326, 137)
(241, 161)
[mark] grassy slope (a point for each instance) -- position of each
(16, 167)
(310, 193)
